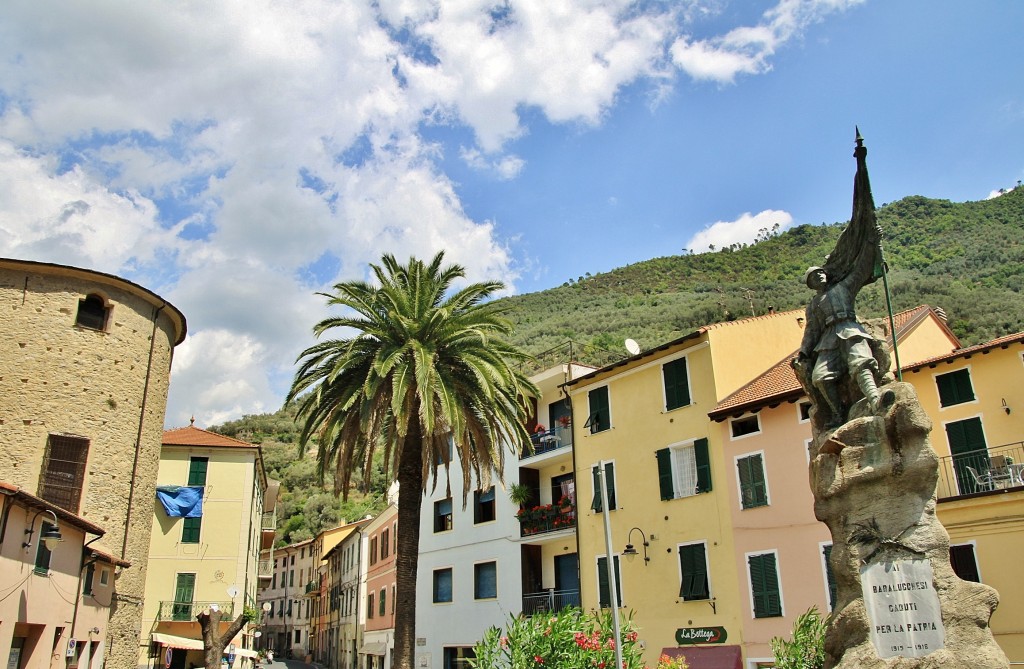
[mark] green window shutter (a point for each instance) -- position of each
(961, 558)
(665, 473)
(600, 417)
(604, 592)
(677, 387)
(764, 585)
(609, 475)
(830, 577)
(197, 470)
(955, 387)
(190, 530)
(753, 491)
(693, 566)
(703, 461)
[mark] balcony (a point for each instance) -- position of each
(547, 441)
(266, 569)
(546, 518)
(312, 586)
(269, 521)
(187, 611)
(987, 470)
(549, 600)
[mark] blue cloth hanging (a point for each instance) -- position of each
(181, 501)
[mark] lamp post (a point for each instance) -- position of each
(631, 550)
(50, 536)
(263, 623)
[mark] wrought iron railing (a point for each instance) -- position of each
(187, 611)
(269, 521)
(544, 519)
(312, 586)
(547, 441)
(982, 470)
(549, 600)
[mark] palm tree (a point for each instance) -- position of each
(414, 371)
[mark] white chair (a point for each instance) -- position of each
(984, 482)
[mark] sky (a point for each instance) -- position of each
(239, 157)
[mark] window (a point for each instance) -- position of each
(830, 576)
(184, 589)
(292, 561)
(197, 472)
(92, 312)
(970, 454)
(42, 552)
(393, 597)
(63, 472)
(373, 550)
(298, 636)
(805, 411)
(104, 577)
(369, 605)
(458, 658)
(741, 427)
(961, 557)
(291, 578)
(693, 572)
(609, 475)
(87, 579)
(190, 530)
(483, 505)
(273, 581)
(382, 606)
(764, 585)
(442, 585)
(485, 580)
(604, 593)
(955, 387)
(600, 415)
(385, 543)
(753, 487)
(443, 515)
(677, 384)
(684, 470)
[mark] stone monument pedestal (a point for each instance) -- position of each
(874, 482)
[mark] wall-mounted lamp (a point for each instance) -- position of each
(51, 535)
(1006, 408)
(94, 630)
(631, 550)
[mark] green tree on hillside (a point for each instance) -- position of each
(421, 370)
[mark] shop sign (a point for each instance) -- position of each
(690, 636)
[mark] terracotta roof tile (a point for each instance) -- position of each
(1001, 342)
(194, 436)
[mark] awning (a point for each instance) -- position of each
(178, 641)
(708, 657)
(245, 652)
(373, 649)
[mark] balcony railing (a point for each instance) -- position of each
(269, 521)
(549, 600)
(983, 470)
(549, 440)
(544, 519)
(312, 586)
(187, 611)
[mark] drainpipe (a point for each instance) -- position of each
(138, 438)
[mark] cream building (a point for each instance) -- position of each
(206, 542)
(84, 363)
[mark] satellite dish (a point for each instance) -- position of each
(632, 346)
(232, 592)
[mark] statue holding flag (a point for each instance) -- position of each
(835, 344)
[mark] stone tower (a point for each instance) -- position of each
(85, 362)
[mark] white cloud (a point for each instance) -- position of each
(213, 151)
(743, 230)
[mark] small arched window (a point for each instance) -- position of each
(92, 312)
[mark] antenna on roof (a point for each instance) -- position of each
(632, 347)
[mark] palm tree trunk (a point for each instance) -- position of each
(410, 495)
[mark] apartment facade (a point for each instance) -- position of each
(646, 436)
(341, 607)
(205, 548)
(84, 371)
(380, 544)
(286, 625)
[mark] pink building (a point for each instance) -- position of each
(63, 585)
(380, 538)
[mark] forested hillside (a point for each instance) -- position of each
(967, 258)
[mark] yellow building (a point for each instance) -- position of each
(646, 420)
(975, 398)
(205, 545)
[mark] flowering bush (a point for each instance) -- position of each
(569, 638)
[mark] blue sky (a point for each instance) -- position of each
(238, 156)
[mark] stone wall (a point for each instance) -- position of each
(107, 386)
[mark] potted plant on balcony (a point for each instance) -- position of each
(520, 494)
(564, 421)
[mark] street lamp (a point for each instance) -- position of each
(631, 550)
(50, 536)
(267, 606)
